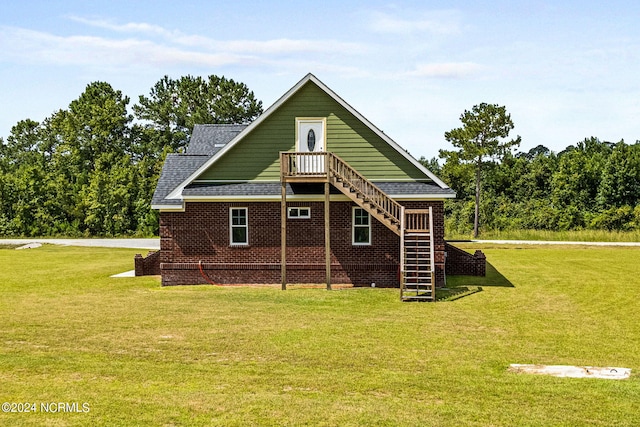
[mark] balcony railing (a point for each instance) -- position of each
(303, 164)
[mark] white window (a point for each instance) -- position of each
(361, 225)
(299, 213)
(239, 226)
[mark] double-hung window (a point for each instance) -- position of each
(361, 225)
(239, 227)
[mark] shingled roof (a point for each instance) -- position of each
(209, 139)
(206, 140)
(273, 189)
(176, 168)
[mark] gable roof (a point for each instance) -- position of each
(177, 191)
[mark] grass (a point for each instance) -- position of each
(567, 236)
(140, 354)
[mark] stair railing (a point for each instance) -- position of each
(418, 220)
(300, 164)
(371, 194)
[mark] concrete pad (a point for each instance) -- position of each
(566, 371)
(130, 273)
(30, 246)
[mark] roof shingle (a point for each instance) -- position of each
(274, 189)
(176, 168)
(209, 139)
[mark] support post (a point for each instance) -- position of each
(402, 273)
(327, 232)
(432, 259)
(283, 227)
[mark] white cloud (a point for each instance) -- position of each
(451, 70)
(31, 46)
(37, 47)
(437, 22)
(280, 46)
(276, 46)
(131, 27)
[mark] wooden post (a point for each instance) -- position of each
(327, 233)
(283, 227)
(432, 255)
(402, 256)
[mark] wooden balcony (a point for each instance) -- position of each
(304, 167)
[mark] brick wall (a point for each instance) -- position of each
(460, 262)
(199, 237)
(149, 266)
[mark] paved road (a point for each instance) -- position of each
(150, 244)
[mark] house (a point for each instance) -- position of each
(309, 192)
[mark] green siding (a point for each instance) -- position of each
(256, 157)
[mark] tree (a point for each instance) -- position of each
(620, 184)
(481, 140)
(174, 106)
(577, 178)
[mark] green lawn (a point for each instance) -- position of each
(565, 236)
(139, 354)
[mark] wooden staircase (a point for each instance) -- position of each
(416, 244)
(417, 281)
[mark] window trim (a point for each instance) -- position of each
(232, 226)
(299, 208)
(354, 226)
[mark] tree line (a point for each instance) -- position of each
(91, 169)
(593, 184)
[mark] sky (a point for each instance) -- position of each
(564, 70)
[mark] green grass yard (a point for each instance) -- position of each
(564, 236)
(139, 354)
